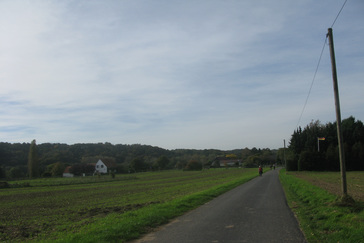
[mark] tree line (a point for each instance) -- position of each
(305, 152)
(315, 147)
(19, 160)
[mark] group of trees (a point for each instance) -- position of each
(256, 157)
(31, 160)
(307, 152)
(139, 164)
(45, 160)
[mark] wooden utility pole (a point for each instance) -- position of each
(338, 115)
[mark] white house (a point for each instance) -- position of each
(104, 167)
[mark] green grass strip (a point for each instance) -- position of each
(321, 219)
(131, 225)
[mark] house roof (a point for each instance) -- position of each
(109, 164)
(67, 169)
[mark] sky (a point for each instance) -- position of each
(176, 74)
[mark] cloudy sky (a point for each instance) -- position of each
(175, 74)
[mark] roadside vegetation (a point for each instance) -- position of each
(119, 210)
(314, 198)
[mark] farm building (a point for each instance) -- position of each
(67, 172)
(104, 167)
(226, 162)
(230, 163)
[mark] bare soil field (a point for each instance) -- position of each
(331, 181)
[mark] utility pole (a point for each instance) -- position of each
(338, 115)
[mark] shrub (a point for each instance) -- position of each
(193, 165)
(79, 169)
(4, 184)
(311, 161)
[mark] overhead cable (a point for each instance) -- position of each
(337, 16)
(313, 80)
(318, 64)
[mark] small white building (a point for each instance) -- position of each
(104, 167)
(67, 172)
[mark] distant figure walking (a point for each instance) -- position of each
(260, 171)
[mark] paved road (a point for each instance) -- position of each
(253, 212)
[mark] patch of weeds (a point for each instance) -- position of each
(344, 201)
(116, 209)
(19, 185)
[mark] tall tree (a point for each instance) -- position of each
(33, 167)
(58, 169)
(138, 165)
(162, 162)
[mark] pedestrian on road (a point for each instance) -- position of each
(260, 170)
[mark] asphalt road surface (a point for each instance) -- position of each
(253, 212)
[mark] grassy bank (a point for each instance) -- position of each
(108, 211)
(320, 217)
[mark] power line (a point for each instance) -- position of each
(313, 80)
(337, 16)
(318, 64)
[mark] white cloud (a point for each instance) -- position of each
(193, 75)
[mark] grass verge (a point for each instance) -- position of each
(320, 217)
